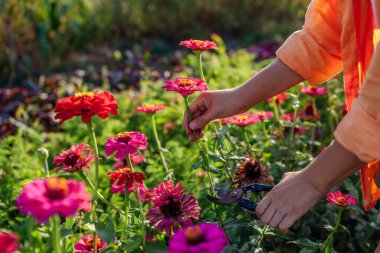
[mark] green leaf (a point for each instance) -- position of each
(155, 247)
(197, 164)
(306, 243)
(106, 230)
(132, 243)
(328, 227)
(346, 229)
(214, 170)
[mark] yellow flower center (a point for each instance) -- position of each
(186, 82)
(199, 41)
(57, 188)
(84, 94)
(194, 235)
(241, 117)
(341, 200)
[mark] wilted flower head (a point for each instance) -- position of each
(126, 177)
(86, 244)
(198, 46)
(45, 198)
(136, 159)
(86, 105)
(185, 85)
(263, 115)
(205, 237)
(309, 113)
(172, 208)
(9, 242)
(150, 108)
(278, 98)
(72, 159)
(314, 90)
(339, 199)
(251, 171)
(125, 142)
(242, 120)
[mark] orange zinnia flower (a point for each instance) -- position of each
(86, 105)
(199, 46)
(125, 177)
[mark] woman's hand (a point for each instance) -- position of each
(208, 106)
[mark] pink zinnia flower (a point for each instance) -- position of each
(126, 177)
(198, 46)
(263, 115)
(339, 199)
(45, 198)
(314, 90)
(136, 159)
(73, 160)
(288, 117)
(9, 242)
(150, 108)
(185, 85)
(86, 244)
(172, 208)
(205, 237)
(125, 142)
(278, 98)
(243, 119)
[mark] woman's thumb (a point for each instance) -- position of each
(200, 122)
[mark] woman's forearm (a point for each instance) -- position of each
(267, 83)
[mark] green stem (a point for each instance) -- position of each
(276, 115)
(56, 233)
(262, 235)
(100, 196)
(293, 125)
(127, 204)
(160, 148)
(247, 143)
(337, 225)
(225, 164)
(265, 131)
(46, 167)
(199, 62)
(140, 204)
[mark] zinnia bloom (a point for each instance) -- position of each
(309, 113)
(263, 115)
(73, 160)
(314, 90)
(136, 159)
(125, 142)
(205, 237)
(172, 208)
(150, 108)
(242, 120)
(9, 242)
(288, 117)
(278, 98)
(86, 105)
(126, 177)
(86, 244)
(198, 46)
(250, 172)
(45, 198)
(339, 199)
(185, 85)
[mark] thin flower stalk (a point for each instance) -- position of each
(225, 159)
(261, 237)
(329, 241)
(199, 62)
(276, 115)
(56, 233)
(127, 206)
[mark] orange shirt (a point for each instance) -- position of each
(340, 35)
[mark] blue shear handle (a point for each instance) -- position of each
(247, 204)
(258, 187)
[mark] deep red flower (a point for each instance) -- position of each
(86, 105)
(172, 208)
(242, 120)
(263, 115)
(185, 85)
(9, 242)
(150, 108)
(125, 177)
(198, 45)
(125, 142)
(251, 171)
(339, 199)
(344, 109)
(73, 160)
(86, 244)
(313, 90)
(309, 113)
(278, 98)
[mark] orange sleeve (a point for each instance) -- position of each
(314, 52)
(359, 131)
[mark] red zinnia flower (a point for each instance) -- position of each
(172, 208)
(339, 199)
(125, 142)
(243, 119)
(185, 85)
(314, 90)
(125, 177)
(150, 108)
(288, 117)
(86, 105)
(278, 98)
(86, 244)
(9, 242)
(263, 115)
(199, 46)
(73, 160)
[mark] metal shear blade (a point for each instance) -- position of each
(226, 196)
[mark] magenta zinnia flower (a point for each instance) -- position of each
(242, 120)
(150, 108)
(263, 115)
(198, 45)
(172, 208)
(9, 242)
(125, 142)
(205, 237)
(339, 199)
(86, 244)
(45, 198)
(314, 90)
(73, 160)
(278, 98)
(185, 86)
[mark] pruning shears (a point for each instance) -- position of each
(237, 195)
